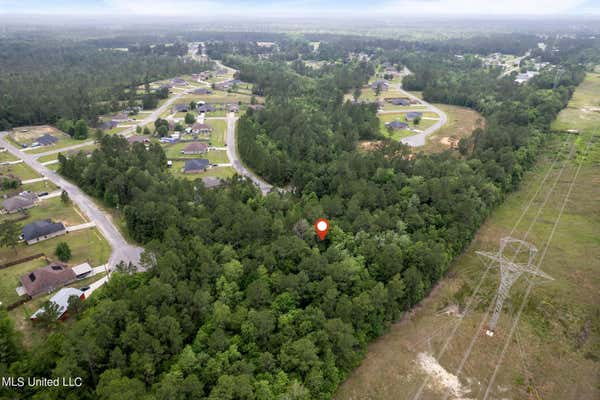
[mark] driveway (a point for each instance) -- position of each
(121, 250)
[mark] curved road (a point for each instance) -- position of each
(121, 250)
(420, 138)
(232, 154)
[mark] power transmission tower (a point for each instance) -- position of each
(514, 258)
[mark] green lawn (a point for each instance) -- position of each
(52, 208)
(9, 279)
(86, 246)
(6, 156)
(217, 136)
(583, 111)
(21, 170)
(63, 142)
(37, 187)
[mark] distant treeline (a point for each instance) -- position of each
(43, 81)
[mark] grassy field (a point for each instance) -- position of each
(9, 279)
(583, 111)
(37, 187)
(21, 170)
(51, 157)
(52, 208)
(6, 156)
(461, 123)
(86, 245)
(217, 136)
(62, 143)
(555, 350)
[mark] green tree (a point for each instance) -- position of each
(190, 118)
(64, 197)
(138, 129)
(49, 314)
(63, 251)
(417, 120)
(75, 305)
(9, 234)
(80, 130)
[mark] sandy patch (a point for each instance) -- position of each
(441, 380)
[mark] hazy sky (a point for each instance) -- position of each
(300, 8)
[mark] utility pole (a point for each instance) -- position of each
(514, 258)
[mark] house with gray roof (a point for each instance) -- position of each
(22, 201)
(396, 125)
(181, 107)
(38, 231)
(61, 299)
(46, 140)
(411, 115)
(47, 279)
(195, 166)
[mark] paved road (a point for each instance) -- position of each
(121, 250)
(232, 154)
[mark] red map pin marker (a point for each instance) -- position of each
(322, 228)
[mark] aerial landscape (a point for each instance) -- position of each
(298, 200)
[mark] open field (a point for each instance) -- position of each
(461, 123)
(20, 170)
(86, 149)
(86, 245)
(37, 187)
(553, 351)
(583, 111)
(28, 134)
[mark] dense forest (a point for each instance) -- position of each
(42, 81)
(240, 300)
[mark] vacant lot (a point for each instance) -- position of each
(20, 170)
(461, 123)
(583, 111)
(6, 156)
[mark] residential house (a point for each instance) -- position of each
(61, 299)
(47, 279)
(181, 107)
(203, 129)
(38, 231)
(195, 166)
(382, 84)
(205, 108)
(396, 125)
(411, 115)
(524, 77)
(202, 91)
(108, 125)
(138, 139)
(46, 140)
(179, 82)
(22, 201)
(399, 101)
(120, 117)
(233, 108)
(195, 148)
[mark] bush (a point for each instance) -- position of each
(63, 252)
